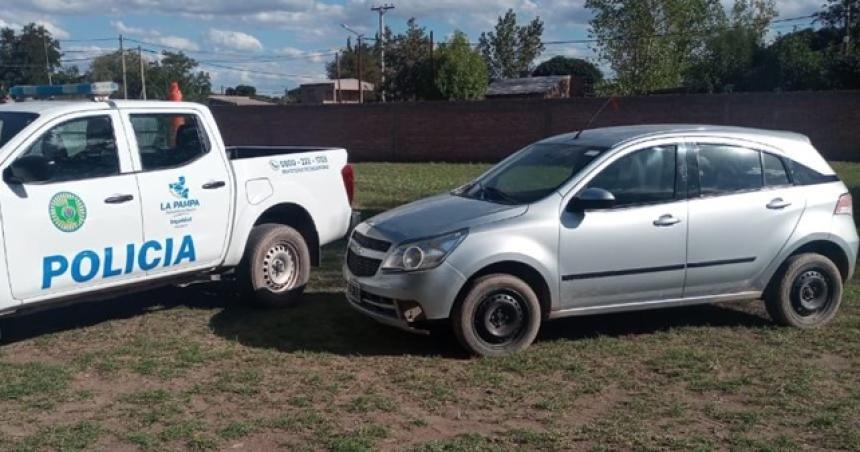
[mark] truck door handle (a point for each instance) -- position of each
(214, 184)
(778, 203)
(666, 220)
(118, 199)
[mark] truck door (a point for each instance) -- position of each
(185, 189)
(76, 224)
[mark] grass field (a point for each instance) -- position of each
(195, 369)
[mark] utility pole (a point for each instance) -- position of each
(847, 26)
(142, 73)
(122, 58)
(337, 90)
(432, 58)
(382, 9)
(47, 60)
(358, 58)
(360, 84)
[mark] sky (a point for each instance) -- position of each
(278, 44)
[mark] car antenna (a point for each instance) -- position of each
(594, 116)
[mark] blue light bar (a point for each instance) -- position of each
(75, 89)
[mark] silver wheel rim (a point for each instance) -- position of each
(280, 267)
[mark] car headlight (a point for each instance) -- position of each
(423, 254)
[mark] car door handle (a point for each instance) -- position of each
(666, 220)
(778, 203)
(118, 199)
(214, 184)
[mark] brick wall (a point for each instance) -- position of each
(489, 130)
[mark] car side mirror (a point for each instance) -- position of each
(591, 199)
(29, 168)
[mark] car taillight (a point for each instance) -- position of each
(348, 175)
(845, 205)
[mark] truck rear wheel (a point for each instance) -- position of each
(276, 266)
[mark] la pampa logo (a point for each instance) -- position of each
(179, 189)
(183, 200)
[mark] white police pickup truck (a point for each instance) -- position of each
(100, 197)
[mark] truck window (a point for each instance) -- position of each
(12, 123)
(168, 140)
(82, 148)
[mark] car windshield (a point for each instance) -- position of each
(531, 174)
(12, 123)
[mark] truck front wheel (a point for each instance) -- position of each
(276, 266)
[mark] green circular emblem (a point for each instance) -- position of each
(68, 211)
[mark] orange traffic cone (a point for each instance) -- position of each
(175, 95)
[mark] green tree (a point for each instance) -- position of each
(241, 90)
(68, 74)
(170, 67)
(837, 12)
(108, 67)
(729, 53)
(462, 72)
(349, 63)
(23, 55)
(408, 66)
(196, 85)
(510, 50)
(576, 67)
(649, 43)
(844, 70)
(795, 64)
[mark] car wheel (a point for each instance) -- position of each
(276, 266)
(807, 293)
(499, 315)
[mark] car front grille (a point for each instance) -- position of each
(370, 242)
(360, 265)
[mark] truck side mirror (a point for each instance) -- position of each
(591, 199)
(29, 168)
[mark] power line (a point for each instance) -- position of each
(87, 40)
(310, 54)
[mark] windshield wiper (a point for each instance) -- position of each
(499, 195)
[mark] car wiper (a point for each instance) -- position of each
(499, 195)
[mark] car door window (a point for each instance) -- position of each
(643, 177)
(725, 169)
(775, 174)
(82, 148)
(168, 140)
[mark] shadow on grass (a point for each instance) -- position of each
(323, 322)
(88, 313)
(653, 321)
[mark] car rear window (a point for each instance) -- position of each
(803, 175)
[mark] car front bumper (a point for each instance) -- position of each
(405, 300)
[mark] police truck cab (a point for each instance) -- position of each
(102, 196)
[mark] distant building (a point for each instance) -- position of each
(235, 101)
(325, 92)
(548, 87)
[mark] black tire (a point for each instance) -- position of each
(276, 266)
(806, 293)
(499, 315)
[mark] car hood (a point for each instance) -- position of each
(438, 215)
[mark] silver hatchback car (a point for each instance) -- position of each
(608, 220)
